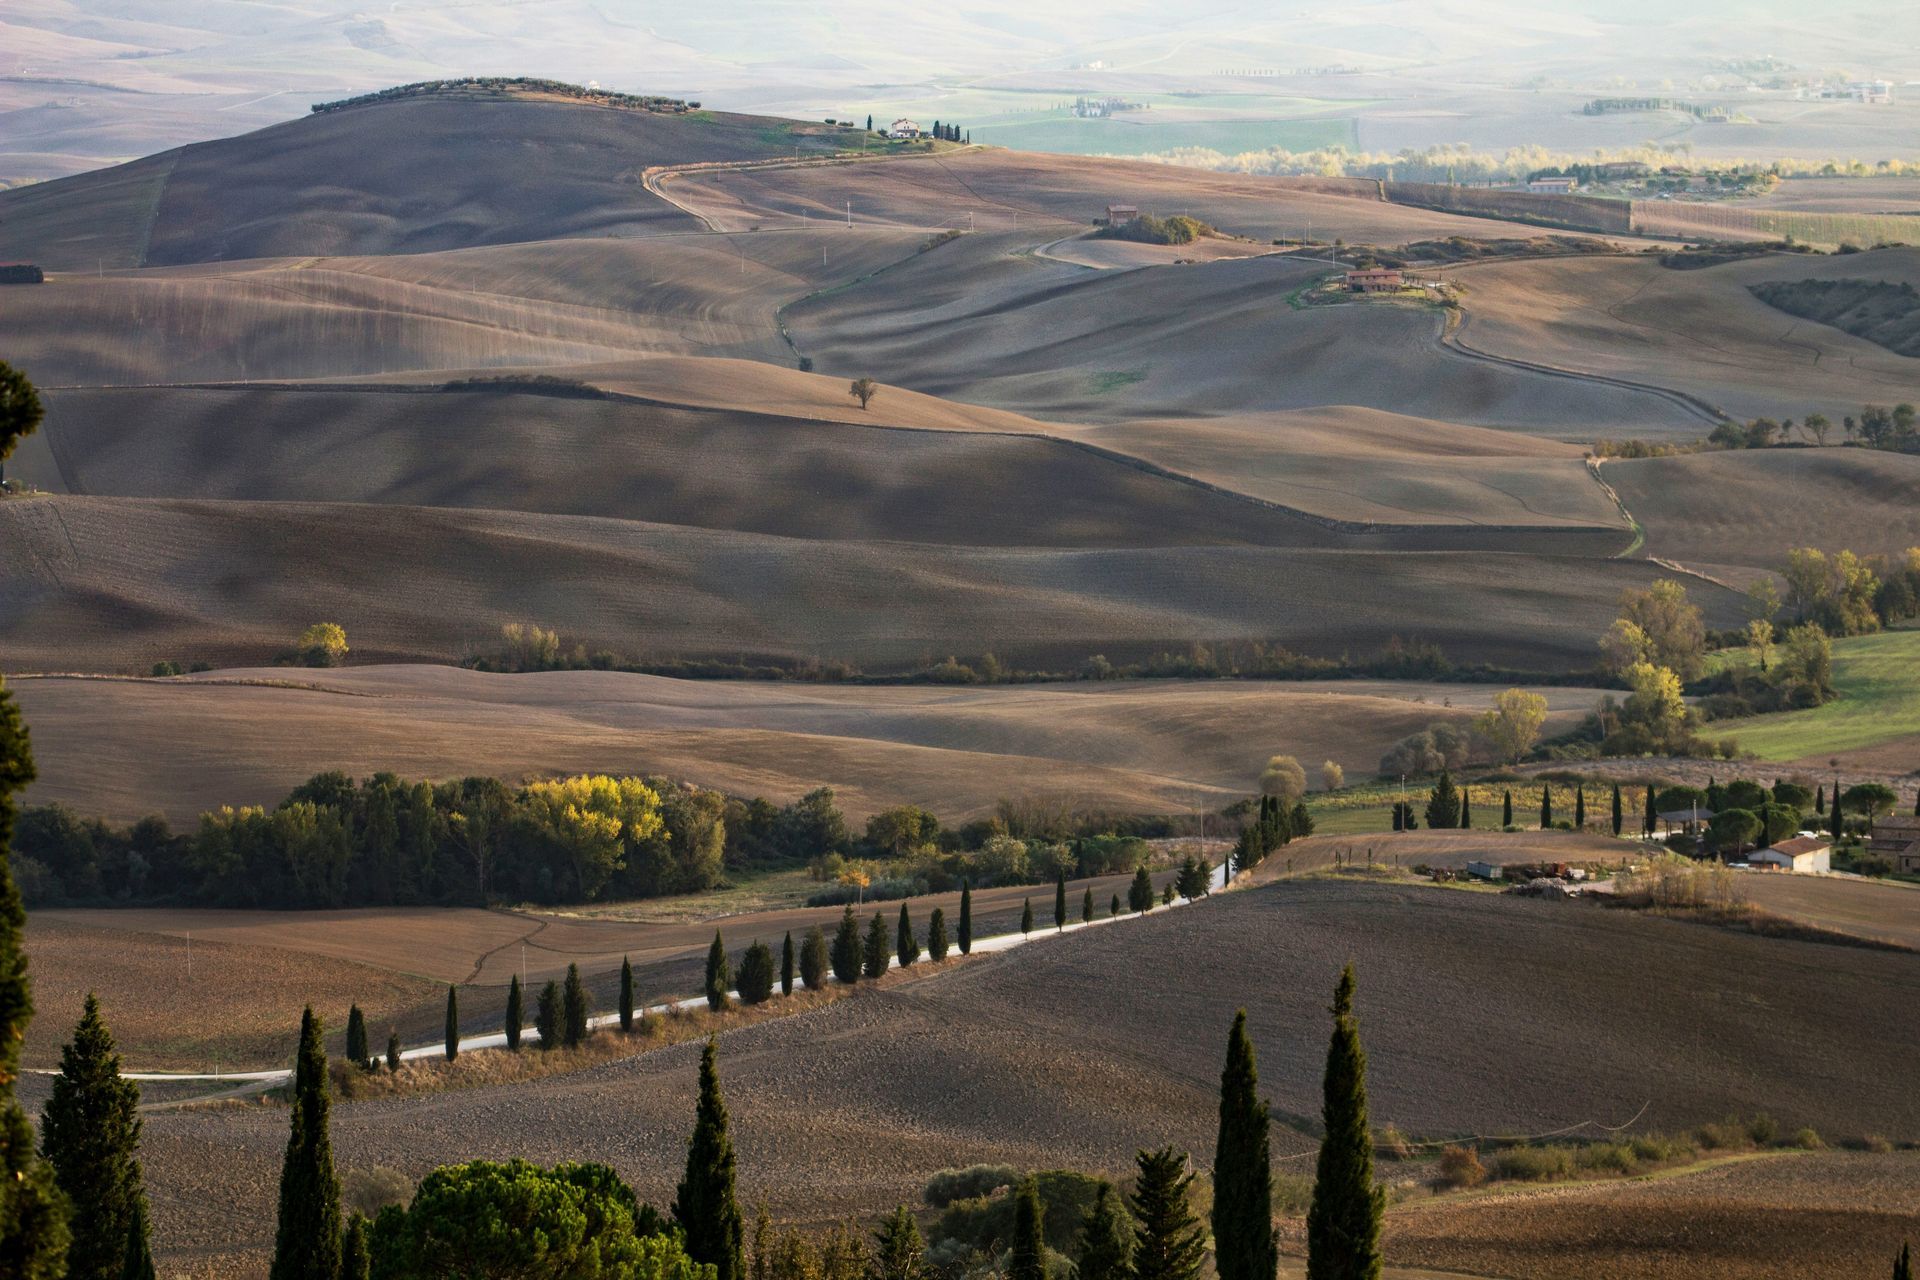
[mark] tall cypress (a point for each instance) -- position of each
(357, 1051)
(1140, 892)
(1086, 906)
(1903, 1265)
(90, 1135)
(516, 1015)
(1466, 809)
(1060, 902)
(33, 1221)
(786, 965)
(579, 1007)
(1113, 906)
(1820, 800)
(1837, 824)
(626, 994)
(719, 975)
(1619, 811)
(1168, 1242)
(393, 1051)
(964, 935)
(1651, 817)
(356, 1263)
(1106, 1239)
(1028, 1260)
(937, 936)
(1580, 807)
(875, 955)
(1546, 807)
(705, 1206)
(905, 945)
(1244, 1247)
(1343, 1222)
(138, 1262)
(550, 1016)
(453, 1022)
(846, 949)
(1506, 808)
(307, 1243)
(1026, 917)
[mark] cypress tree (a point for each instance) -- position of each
(1903, 1265)
(1140, 893)
(1244, 1247)
(393, 1050)
(964, 936)
(307, 1243)
(1506, 808)
(898, 1251)
(626, 994)
(516, 1015)
(1060, 902)
(355, 1262)
(33, 1221)
(453, 1022)
(904, 944)
(1168, 1242)
(1837, 824)
(549, 1016)
(1619, 811)
(1113, 906)
(719, 975)
(1466, 809)
(1106, 1239)
(813, 959)
(705, 1206)
(1546, 807)
(1343, 1223)
(1086, 906)
(1443, 804)
(90, 1135)
(846, 949)
(876, 953)
(138, 1263)
(1029, 1256)
(1580, 807)
(357, 1050)
(754, 981)
(579, 1007)
(1651, 817)
(937, 936)
(1820, 800)
(1026, 917)
(786, 965)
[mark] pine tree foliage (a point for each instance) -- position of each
(515, 1018)
(1060, 901)
(937, 936)
(1343, 1221)
(755, 980)
(876, 955)
(1168, 1243)
(1443, 804)
(356, 1263)
(1106, 1239)
(1546, 808)
(1028, 1257)
(577, 1008)
(550, 1016)
(138, 1262)
(899, 1253)
(905, 945)
(1086, 906)
(1140, 892)
(719, 975)
(705, 1206)
(307, 1242)
(393, 1050)
(963, 937)
(1244, 1246)
(1506, 809)
(1903, 1265)
(787, 966)
(357, 1050)
(453, 1022)
(626, 994)
(1619, 810)
(814, 964)
(846, 949)
(1466, 809)
(1026, 917)
(90, 1135)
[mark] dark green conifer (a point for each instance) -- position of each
(1466, 809)
(846, 949)
(1650, 817)
(1837, 824)
(357, 1050)
(1060, 902)
(1619, 811)
(898, 1251)
(1140, 892)
(1506, 808)
(1086, 906)
(1580, 807)
(787, 965)
(516, 1015)
(719, 975)
(1026, 917)
(90, 1135)
(355, 1262)
(1113, 906)
(1343, 1222)
(754, 981)
(1106, 1239)
(1546, 808)
(1903, 1265)
(550, 1016)
(626, 994)
(876, 954)
(705, 1206)
(1820, 800)
(453, 1022)
(1028, 1259)
(393, 1051)
(1443, 804)
(1244, 1247)
(814, 964)
(905, 945)
(1168, 1243)
(578, 1008)
(937, 936)
(964, 935)
(307, 1243)
(138, 1263)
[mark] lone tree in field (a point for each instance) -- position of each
(1619, 810)
(1106, 1239)
(719, 976)
(1506, 809)
(626, 994)
(1580, 808)
(876, 954)
(579, 1007)
(550, 1016)
(1546, 808)
(705, 1206)
(1028, 1260)
(1512, 725)
(33, 1221)
(863, 390)
(1140, 892)
(20, 414)
(516, 1014)
(453, 1022)
(1343, 1223)
(965, 935)
(307, 1243)
(1168, 1243)
(937, 936)
(357, 1051)
(1026, 917)
(905, 945)
(786, 965)
(1244, 1247)
(898, 1251)
(846, 949)
(324, 644)
(813, 959)
(1086, 906)
(90, 1135)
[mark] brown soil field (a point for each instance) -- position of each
(1700, 509)
(1850, 195)
(1480, 1014)
(331, 184)
(1697, 331)
(1165, 746)
(117, 584)
(1884, 911)
(1825, 1214)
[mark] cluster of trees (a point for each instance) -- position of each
(1505, 732)
(1147, 229)
(386, 841)
(948, 132)
(1876, 427)
(891, 863)
(510, 84)
(1845, 594)
(1277, 823)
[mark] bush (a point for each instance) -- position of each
(1727, 1135)
(368, 1191)
(1534, 1164)
(1461, 1167)
(1393, 1144)
(755, 980)
(976, 1180)
(1807, 1140)
(1762, 1130)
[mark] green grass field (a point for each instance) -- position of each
(1878, 678)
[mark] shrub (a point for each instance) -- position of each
(755, 979)
(1607, 1157)
(1534, 1164)
(1873, 1142)
(1727, 1135)
(1393, 1144)
(1807, 1140)
(1461, 1167)
(1763, 1131)
(976, 1180)
(368, 1191)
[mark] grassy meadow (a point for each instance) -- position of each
(1878, 678)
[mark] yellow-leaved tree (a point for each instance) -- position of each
(596, 820)
(1512, 725)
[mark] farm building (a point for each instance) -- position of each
(904, 129)
(1375, 280)
(1119, 215)
(1807, 855)
(1685, 819)
(1897, 839)
(1553, 186)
